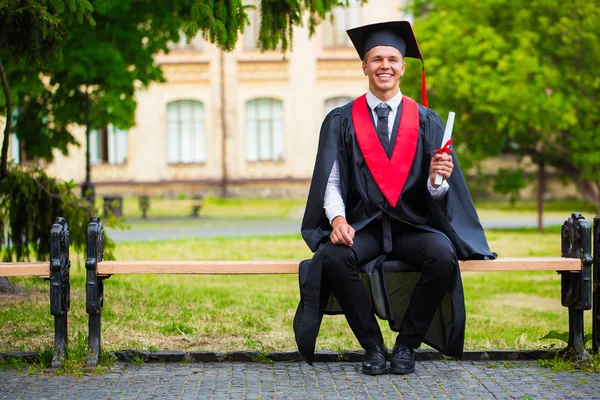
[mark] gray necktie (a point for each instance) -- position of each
(382, 111)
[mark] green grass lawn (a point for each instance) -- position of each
(253, 208)
(531, 206)
(505, 310)
(165, 208)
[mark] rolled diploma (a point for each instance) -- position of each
(447, 136)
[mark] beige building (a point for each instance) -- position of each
(246, 122)
(241, 123)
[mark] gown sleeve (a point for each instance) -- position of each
(455, 215)
(315, 225)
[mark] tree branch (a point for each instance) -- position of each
(4, 159)
(74, 204)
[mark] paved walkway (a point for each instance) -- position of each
(204, 228)
(340, 380)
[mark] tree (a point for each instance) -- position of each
(92, 80)
(31, 32)
(95, 83)
(522, 78)
(32, 118)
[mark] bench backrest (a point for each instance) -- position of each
(41, 269)
(291, 267)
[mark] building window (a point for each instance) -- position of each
(334, 32)
(108, 146)
(14, 143)
(264, 130)
(15, 148)
(197, 43)
(336, 102)
(186, 137)
(251, 31)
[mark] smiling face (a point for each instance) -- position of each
(384, 65)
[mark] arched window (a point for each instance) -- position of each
(197, 43)
(334, 32)
(186, 132)
(251, 31)
(264, 130)
(335, 102)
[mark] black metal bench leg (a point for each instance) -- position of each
(94, 289)
(60, 287)
(576, 287)
(95, 323)
(596, 288)
(575, 349)
(60, 339)
(93, 341)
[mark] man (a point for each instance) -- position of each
(373, 199)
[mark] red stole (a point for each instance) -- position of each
(389, 174)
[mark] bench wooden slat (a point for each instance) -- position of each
(41, 269)
(291, 267)
(197, 267)
(523, 264)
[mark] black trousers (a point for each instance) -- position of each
(433, 252)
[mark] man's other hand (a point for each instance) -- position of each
(440, 164)
(342, 232)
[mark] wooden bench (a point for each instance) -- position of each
(57, 271)
(194, 204)
(575, 267)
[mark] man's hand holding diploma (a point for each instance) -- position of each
(441, 165)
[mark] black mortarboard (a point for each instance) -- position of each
(397, 34)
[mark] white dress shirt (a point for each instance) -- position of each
(333, 202)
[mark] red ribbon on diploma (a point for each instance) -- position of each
(445, 149)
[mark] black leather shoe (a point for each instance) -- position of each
(403, 360)
(375, 361)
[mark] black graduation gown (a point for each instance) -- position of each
(454, 216)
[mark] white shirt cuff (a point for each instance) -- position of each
(335, 211)
(440, 192)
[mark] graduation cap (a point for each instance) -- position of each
(397, 34)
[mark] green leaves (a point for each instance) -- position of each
(521, 77)
(30, 200)
(29, 203)
(564, 336)
(220, 21)
(510, 181)
(35, 30)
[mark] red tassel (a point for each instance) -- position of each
(423, 89)
(445, 149)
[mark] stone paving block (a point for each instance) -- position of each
(293, 380)
(352, 355)
(285, 356)
(320, 356)
(206, 356)
(326, 356)
(243, 356)
(168, 356)
(425, 355)
(133, 355)
(25, 356)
